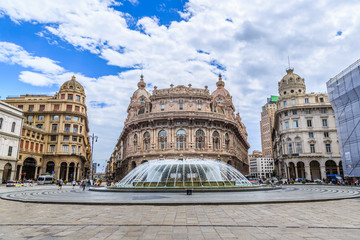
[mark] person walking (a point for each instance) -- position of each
(73, 183)
(83, 184)
(60, 184)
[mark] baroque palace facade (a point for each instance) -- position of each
(180, 123)
(305, 137)
(54, 137)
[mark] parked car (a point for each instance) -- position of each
(45, 179)
(12, 183)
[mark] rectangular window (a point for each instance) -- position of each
(42, 108)
(296, 124)
(323, 110)
(73, 149)
(55, 117)
(311, 135)
(308, 111)
(30, 118)
(290, 148)
(56, 107)
(10, 151)
(65, 148)
(67, 128)
(77, 108)
(67, 117)
(79, 149)
(31, 107)
(181, 106)
(199, 106)
(298, 147)
(284, 103)
(324, 122)
(66, 138)
(306, 100)
(321, 99)
(41, 147)
(287, 125)
(52, 148)
(70, 97)
(328, 148)
(27, 145)
(53, 138)
(39, 126)
(77, 98)
(32, 146)
(62, 96)
(74, 139)
(20, 107)
(36, 147)
(69, 108)
(21, 143)
(80, 129)
(293, 101)
(309, 123)
(75, 128)
(326, 134)
(312, 148)
(54, 127)
(294, 112)
(162, 107)
(41, 118)
(285, 114)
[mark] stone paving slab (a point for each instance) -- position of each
(289, 193)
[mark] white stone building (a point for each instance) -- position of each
(261, 167)
(304, 137)
(10, 134)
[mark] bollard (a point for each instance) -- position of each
(188, 191)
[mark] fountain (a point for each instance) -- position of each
(172, 174)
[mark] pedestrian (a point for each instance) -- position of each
(83, 184)
(73, 183)
(60, 184)
(88, 183)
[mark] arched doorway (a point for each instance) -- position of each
(7, 172)
(330, 167)
(63, 167)
(315, 170)
(28, 168)
(301, 169)
(71, 171)
(50, 167)
(292, 174)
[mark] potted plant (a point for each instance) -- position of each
(303, 181)
(292, 181)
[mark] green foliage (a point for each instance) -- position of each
(303, 181)
(292, 181)
(65, 181)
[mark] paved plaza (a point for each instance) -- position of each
(337, 219)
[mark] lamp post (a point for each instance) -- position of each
(93, 138)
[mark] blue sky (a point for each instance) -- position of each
(106, 43)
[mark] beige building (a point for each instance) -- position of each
(54, 134)
(267, 124)
(180, 123)
(11, 119)
(305, 137)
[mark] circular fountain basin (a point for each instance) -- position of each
(174, 175)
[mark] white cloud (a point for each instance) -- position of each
(250, 39)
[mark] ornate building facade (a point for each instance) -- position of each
(304, 136)
(179, 123)
(54, 135)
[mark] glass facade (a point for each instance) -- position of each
(344, 95)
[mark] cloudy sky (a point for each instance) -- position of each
(107, 44)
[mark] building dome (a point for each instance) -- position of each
(141, 91)
(291, 84)
(72, 85)
(220, 91)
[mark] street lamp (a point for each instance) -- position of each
(92, 137)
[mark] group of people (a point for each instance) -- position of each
(83, 184)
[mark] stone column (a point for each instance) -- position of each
(36, 171)
(307, 171)
(58, 172)
(296, 172)
(338, 169)
(20, 172)
(288, 172)
(77, 174)
(67, 172)
(322, 172)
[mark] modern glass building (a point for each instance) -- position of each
(344, 95)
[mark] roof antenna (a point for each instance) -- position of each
(289, 62)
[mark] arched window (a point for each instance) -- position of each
(13, 127)
(200, 139)
(216, 140)
(181, 139)
(289, 146)
(227, 141)
(162, 139)
(135, 142)
(298, 145)
(146, 141)
(1, 121)
(142, 110)
(142, 101)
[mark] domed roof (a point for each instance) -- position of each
(291, 84)
(141, 91)
(220, 89)
(72, 84)
(291, 75)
